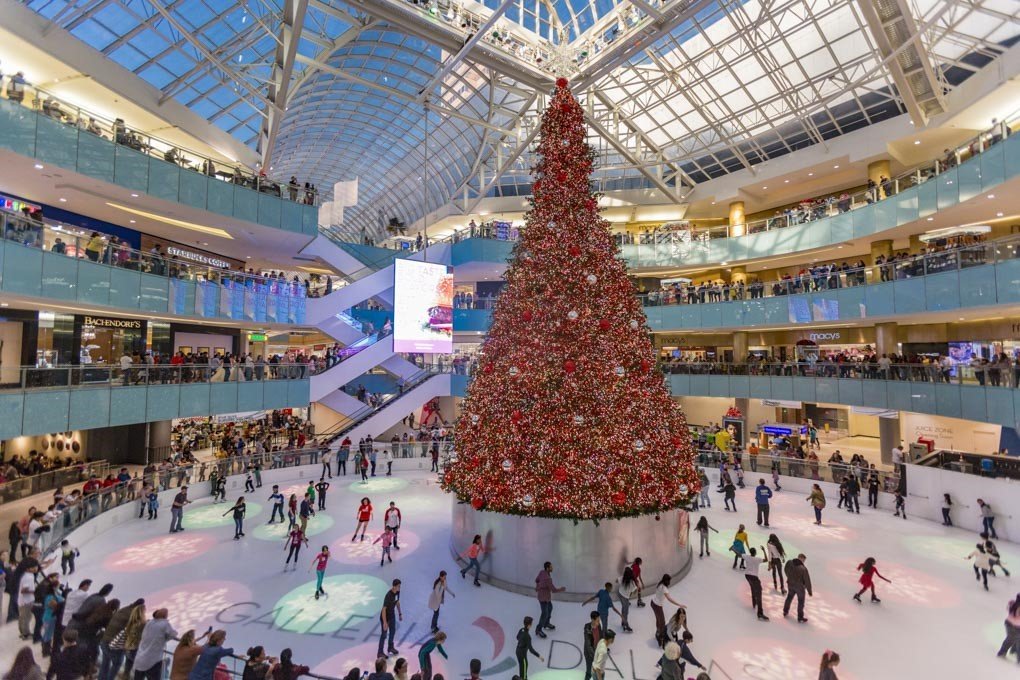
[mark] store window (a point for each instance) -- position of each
(105, 339)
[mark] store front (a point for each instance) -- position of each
(103, 340)
(694, 348)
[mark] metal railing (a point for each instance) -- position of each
(29, 485)
(972, 371)
(788, 464)
(19, 91)
(232, 665)
(43, 377)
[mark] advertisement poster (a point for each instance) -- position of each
(423, 307)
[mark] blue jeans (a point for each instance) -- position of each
(110, 665)
(238, 526)
(472, 564)
(390, 631)
(543, 619)
(176, 515)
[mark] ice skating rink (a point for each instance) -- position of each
(934, 620)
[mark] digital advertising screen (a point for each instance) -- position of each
(422, 307)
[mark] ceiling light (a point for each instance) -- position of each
(205, 243)
(4, 304)
(786, 181)
(916, 142)
(835, 167)
(764, 187)
(723, 264)
(811, 174)
(991, 195)
(931, 219)
(211, 231)
(961, 318)
(63, 200)
(247, 257)
(38, 166)
(998, 214)
(132, 221)
(134, 195)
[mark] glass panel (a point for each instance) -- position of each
(11, 408)
(269, 210)
(132, 169)
(194, 400)
(22, 269)
(942, 291)
(93, 283)
(161, 402)
(60, 274)
(993, 166)
(89, 408)
(969, 177)
(127, 405)
(153, 293)
(164, 180)
(193, 189)
(17, 128)
(124, 288)
(95, 157)
(57, 143)
(948, 189)
(221, 198)
(246, 204)
(45, 411)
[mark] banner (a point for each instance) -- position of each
(422, 307)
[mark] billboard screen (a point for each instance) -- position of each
(422, 307)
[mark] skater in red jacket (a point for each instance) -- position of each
(867, 580)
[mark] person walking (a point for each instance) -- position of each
(177, 510)
(425, 654)
(392, 520)
(605, 602)
(544, 588)
(868, 573)
(987, 519)
(294, 539)
(388, 616)
(238, 509)
(592, 635)
(830, 660)
(437, 598)
(658, 602)
(982, 563)
(703, 527)
(817, 501)
(524, 647)
(276, 498)
(762, 494)
(364, 516)
(1012, 641)
(319, 562)
(472, 553)
(776, 556)
(755, 564)
(625, 593)
(798, 583)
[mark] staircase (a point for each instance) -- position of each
(374, 352)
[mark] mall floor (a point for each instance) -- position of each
(934, 620)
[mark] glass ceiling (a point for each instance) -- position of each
(715, 86)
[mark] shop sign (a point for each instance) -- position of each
(781, 403)
(257, 337)
(174, 251)
(109, 322)
(821, 337)
(784, 430)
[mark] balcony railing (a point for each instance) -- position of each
(49, 377)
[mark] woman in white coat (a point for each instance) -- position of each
(437, 597)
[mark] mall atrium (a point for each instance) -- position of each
(709, 305)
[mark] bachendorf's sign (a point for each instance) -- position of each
(107, 322)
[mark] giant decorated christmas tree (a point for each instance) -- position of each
(567, 416)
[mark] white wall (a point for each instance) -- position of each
(10, 353)
(210, 340)
(705, 410)
(951, 433)
(926, 485)
(863, 425)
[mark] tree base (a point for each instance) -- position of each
(584, 556)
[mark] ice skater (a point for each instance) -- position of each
(729, 495)
(524, 647)
(387, 543)
(472, 553)
(901, 505)
(703, 527)
(947, 508)
(438, 597)
(982, 563)
(249, 483)
(319, 562)
(277, 500)
(994, 559)
(364, 516)
(238, 509)
(321, 489)
(739, 547)
(293, 541)
(292, 511)
(392, 520)
(776, 556)
(868, 573)
(425, 654)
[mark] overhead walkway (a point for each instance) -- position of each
(36, 401)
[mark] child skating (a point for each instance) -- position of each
(387, 544)
(867, 580)
(153, 504)
(293, 542)
(319, 562)
(901, 505)
(703, 527)
(249, 483)
(364, 515)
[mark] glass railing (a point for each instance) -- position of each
(43, 377)
(117, 131)
(1002, 373)
(808, 211)
(29, 485)
(817, 278)
(322, 364)
(788, 463)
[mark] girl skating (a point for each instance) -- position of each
(867, 580)
(319, 562)
(703, 527)
(387, 544)
(293, 542)
(238, 509)
(364, 515)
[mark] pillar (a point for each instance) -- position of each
(883, 248)
(916, 243)
(886, 338)
(737, 219)
(739, 347)
(888, 437)
(877, 170)
(738, 275)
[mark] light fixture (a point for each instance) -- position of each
(205, 243)
(811, 174)
(39, 166)
(247, 257)
(931, 219)
(723, 264)
(763, 188)
(991, 195)
(134, 195)
(211, 231)
(63, 200)
(4, 304)
(998, 214)
(132, 221)
(786, 181)
(835, 167)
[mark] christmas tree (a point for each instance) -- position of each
(567, 416)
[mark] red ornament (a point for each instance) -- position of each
(560, 474)
(604, 324)
(618, 498)
(677, 442)
(565, 108)
(561, 83)
(645, 478)
(645, 365)
(537, 186)
(526, 315)
(477, 503)
(569, 366)
(516, 416)
(488, 368)
(574, 251)
(561, 176)
(591, 203)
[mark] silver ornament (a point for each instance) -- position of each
(474, 417)
(572, 315)
(683, 489)
(578, 420)
(619, 370)
(592, 279)
(514, 371)
(507, 465)
(528, 500)
(639, 445)
(633, 324)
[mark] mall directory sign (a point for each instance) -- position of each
(422, 307)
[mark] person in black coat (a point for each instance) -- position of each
(524, 647)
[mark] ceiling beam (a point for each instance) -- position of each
(292, 22)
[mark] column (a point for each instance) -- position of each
(877, 170)
(738, 275)
(888, 437)
(737, 219)
(743, 405)
(886, 338)
(740, 347)
(883, 248)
